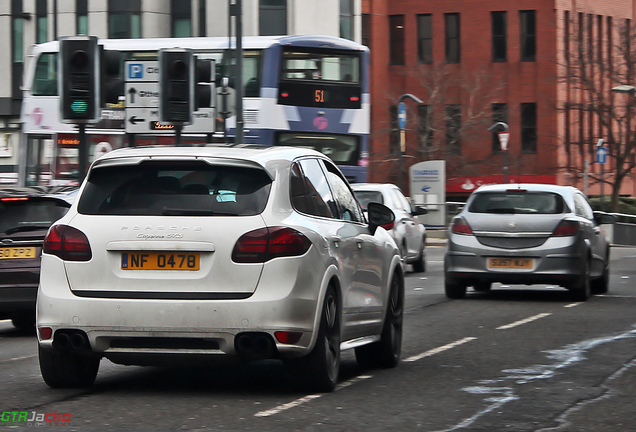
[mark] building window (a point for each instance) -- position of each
(181, 17)
(42, 27)
(396, 39)
(425, 127)
(451, 31)
(499, 37)
(528, 127)
(272, 17)
(81, 17)
(528, 35)
(203, 27)
(346, 19)
(425, 38)
(499, 114)
(124, 19)
(17, 47)
(453, 129)
(366, 30)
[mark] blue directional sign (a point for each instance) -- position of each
(601, 155)
(402, 115)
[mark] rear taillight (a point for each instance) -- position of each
(264, 244)
(566, 228)
(67, 243)
(461, 227)
(14, 199)
(388, 226)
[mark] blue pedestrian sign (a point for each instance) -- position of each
(601, 155)
(402, 115)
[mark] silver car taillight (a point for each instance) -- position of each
(460, 226)
(566, 228)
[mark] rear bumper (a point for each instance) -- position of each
(142, 331)
(561, 264)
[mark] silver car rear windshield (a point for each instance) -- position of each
(517, 202)
(175, 189)
(365, 197)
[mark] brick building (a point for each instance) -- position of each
(540, 66)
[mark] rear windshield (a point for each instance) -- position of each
(175, 189)
(29, 214)
(517, 202)
(365, 197)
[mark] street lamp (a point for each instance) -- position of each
(504, 148)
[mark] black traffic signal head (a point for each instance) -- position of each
(112, 81)
(78, 65)
(176, 85)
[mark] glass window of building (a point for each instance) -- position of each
(396, 39)
(346, 19)
(272, 17)
(499, 42)
(181, 17)
(425, 38)
(451, 21)
(528, 35)
(124, 19)
(528, 127)
(17, 47)
(41, 19)
(203, 15)
(453, 129)
(81, 17)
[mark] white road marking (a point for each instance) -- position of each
(303, 400)
(523, 321)
(439, 349)
(571, 305)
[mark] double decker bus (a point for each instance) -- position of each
(306, 91)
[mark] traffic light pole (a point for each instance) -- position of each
(83, 153)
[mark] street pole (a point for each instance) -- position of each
(402, 125)
(504, 148)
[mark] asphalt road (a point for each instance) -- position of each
(516, 359)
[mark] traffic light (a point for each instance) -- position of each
(176, 85)
(205, 91)
(78, 66)
(112, 82)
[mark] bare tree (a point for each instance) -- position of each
(597, 57)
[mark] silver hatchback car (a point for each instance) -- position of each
(247, 252)
(527, 234)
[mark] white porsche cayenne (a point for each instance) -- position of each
(247, 251)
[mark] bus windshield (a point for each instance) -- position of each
(320, 66)
(45, 80)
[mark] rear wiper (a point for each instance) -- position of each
(26, 228)
(502, 210)
(168, 211)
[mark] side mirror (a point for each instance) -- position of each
(604, 218)
(419, 210)
(380, 215)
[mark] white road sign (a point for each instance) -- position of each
(142, 94)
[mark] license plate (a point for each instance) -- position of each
(17, 252)
(160, 260)
(510, 263)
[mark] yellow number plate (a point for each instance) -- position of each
(17, 252)
(510, 263)
(160, 260)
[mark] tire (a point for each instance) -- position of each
(318, 371)
(601, 285)
(386, 353)
(582, 290)
(64, 370)
(482, 286)
(454, 289)
(24, 321)
(419, 266)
